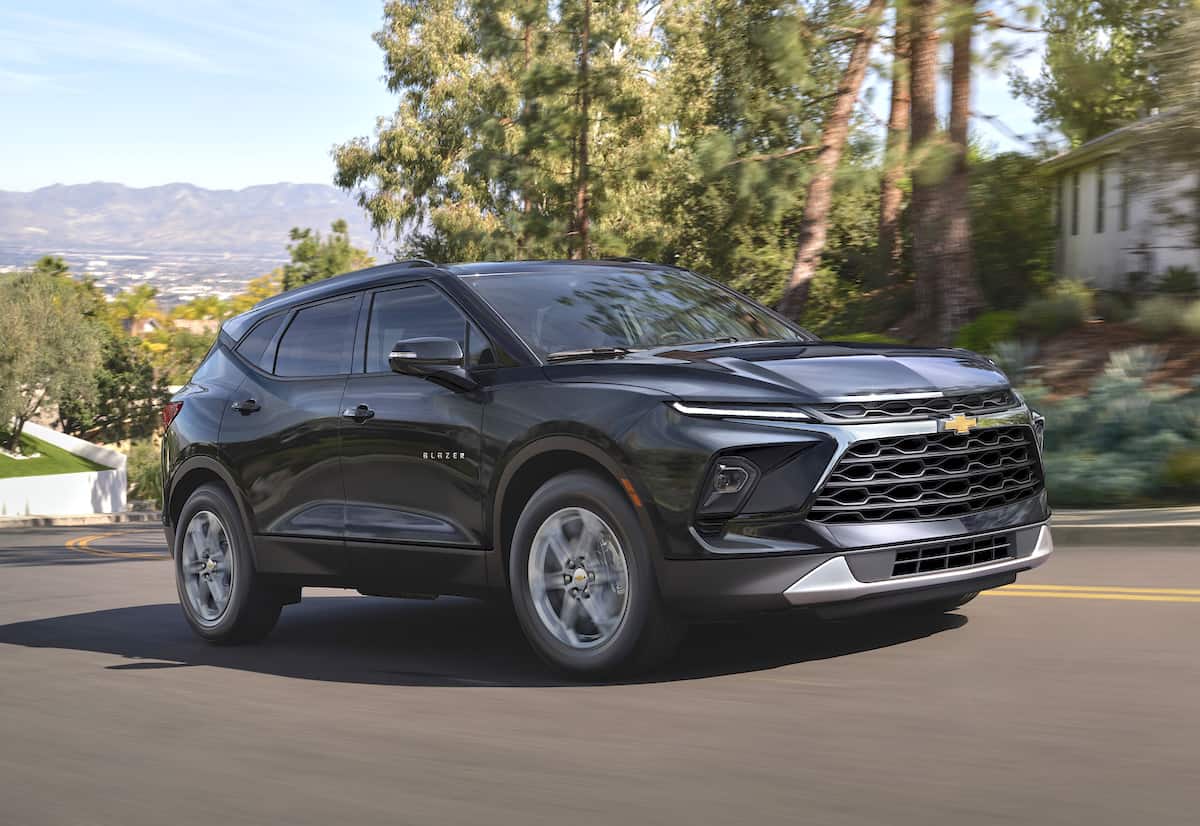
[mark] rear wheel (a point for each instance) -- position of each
(583, 583)
(222, 597)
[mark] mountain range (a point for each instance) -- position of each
(174, 218)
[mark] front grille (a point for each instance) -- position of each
(962, 554)
(933, 476)
(924, 407)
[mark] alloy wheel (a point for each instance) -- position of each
(578, 578)
(207, 567)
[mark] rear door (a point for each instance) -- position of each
(281, 436)
(414, 509)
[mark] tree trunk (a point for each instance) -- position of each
(891, 197)
(814, 224)
(959, 290)
(527, 42)
(925, 215)
(582, 196)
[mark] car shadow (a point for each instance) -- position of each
(448, 642)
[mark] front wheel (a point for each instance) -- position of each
(222, 597)
(583, 583)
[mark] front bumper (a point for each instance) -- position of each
(839, 583)
(833, 581)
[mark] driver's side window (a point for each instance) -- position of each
(418, 311)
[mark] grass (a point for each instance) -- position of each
(53, 460)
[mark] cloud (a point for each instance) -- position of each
(20, 83)
(36, 38)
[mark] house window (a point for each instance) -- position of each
(1100, 175)
(1075, 204)
(1125, 187)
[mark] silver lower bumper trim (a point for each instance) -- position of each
(833, 581)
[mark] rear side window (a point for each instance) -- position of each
(319, 340)
(410, 312)
(254, 346)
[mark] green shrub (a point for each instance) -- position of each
(1013, 357)
(1113, 307)
(1160, 316)
(1182, 472)
(1191, 319)
(144, 472)
(982, 334)
(1178, 280)
(867, 338)
(1099, 450)
(1068, 304)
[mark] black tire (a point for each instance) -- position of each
(253, 607)
(647, 634)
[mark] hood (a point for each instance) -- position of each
(790, 373)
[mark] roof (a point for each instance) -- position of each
(1105, 144)
(414, 268)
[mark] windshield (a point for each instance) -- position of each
(610, 309)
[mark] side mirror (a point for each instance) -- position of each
(438, 359)
(423, 356)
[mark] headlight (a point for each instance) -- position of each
(776, 412)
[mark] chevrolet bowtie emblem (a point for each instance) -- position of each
(960, 424)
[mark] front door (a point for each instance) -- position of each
(410, 452)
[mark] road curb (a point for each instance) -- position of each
(78, 521)
(1176, 536)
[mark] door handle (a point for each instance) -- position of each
(247, 406)
(360, 414)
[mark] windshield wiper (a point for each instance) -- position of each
(716, 340)
(589, 353)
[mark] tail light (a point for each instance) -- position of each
(169, 412)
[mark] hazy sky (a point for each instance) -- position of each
(219, 93)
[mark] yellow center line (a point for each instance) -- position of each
(1004, 592)
(83, 544)
(1185, 592)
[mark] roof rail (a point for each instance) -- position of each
(628, 258)
(415, 262)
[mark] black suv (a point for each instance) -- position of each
(614, 445)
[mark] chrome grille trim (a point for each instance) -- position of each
(929, 476)
(908, 406)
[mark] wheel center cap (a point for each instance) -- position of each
(580, 577)
(210, 565)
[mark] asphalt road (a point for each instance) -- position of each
(1076, 702)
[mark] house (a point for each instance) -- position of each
(1113, 220)
(198, 326)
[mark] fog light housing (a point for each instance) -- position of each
(730, 478)
(728, 484)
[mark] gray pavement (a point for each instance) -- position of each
(1071, 699)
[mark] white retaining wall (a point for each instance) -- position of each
(67, 494)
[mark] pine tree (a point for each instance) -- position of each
(814, 225)
(927, 216)
(895, 162)
(960, 297)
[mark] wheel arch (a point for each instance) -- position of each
(538, 462)
(190, 475)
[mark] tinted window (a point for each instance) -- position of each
(579, 307)
(480, 352)
(254, 346)
(319, 340)
(410, 312)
